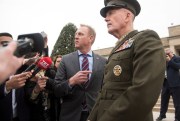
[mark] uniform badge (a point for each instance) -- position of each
(130, 42)
(117, 70)
(127, 44)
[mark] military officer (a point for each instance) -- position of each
(135, 69)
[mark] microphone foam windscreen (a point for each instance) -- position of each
(38, 41)
(45, 63)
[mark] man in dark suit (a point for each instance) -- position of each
(12, 104)
(173, 80)
(78, 87)
(135, 69)
(165, 96)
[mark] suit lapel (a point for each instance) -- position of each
(75, 61)
(76, 64)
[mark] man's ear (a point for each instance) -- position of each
(91, 38)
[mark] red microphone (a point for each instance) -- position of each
(43, 64)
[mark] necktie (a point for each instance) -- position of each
(85, 66)
(85, 62)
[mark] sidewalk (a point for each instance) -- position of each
(169, 116)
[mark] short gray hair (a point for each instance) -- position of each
(91, 31)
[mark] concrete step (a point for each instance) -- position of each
(171, 105)
(159, 100)
(157, 109)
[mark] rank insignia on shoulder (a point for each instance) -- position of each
(127, 44)
(117, 70)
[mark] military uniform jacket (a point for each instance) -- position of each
(133, 79)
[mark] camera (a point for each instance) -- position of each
(28, 43)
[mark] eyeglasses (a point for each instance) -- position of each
(4, 43)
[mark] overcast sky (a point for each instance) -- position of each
(30, 16)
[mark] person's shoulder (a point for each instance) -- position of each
(70, 55)
(99, 56)
(146, 35)
(148, 32)
(177, 57)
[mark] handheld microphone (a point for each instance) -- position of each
(28, 43)
(43, 64)
(32, 66)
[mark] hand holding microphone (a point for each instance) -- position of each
(29, 61)
(26, 44)
(41, 84)
(17, 81)
(43, 64)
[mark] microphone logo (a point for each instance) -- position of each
(44, 65)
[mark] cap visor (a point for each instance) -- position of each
(104, 10)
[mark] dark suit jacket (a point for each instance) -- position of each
(133, 78)
(71, 107)
(173, 74)
(6, 105)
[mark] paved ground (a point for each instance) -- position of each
(169, 116)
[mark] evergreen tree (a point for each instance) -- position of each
(65, 42)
